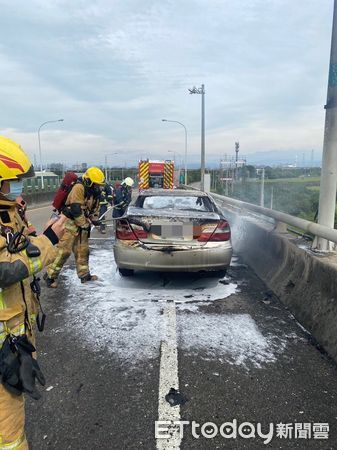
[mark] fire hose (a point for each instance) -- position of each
(109, 220)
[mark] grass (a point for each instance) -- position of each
(294, 180)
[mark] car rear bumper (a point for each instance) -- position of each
(211, 257)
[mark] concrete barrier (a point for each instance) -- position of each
(37, 198)
(304, 282)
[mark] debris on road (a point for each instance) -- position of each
(175, 398)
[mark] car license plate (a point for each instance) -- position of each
(171, 231)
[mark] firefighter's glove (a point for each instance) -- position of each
(29, 370)
(9, 368)
(19, 369)
(96, 223)
(66, 212)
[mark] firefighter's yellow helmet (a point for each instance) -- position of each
(94, 175)
(14, 163)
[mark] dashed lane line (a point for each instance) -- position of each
(168, 378)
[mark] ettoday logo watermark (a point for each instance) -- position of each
(245, 430)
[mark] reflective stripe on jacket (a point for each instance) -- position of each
(89, 207)
(14, 444)
(18, 267)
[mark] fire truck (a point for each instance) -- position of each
(156, 174)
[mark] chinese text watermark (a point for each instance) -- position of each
(246, 430)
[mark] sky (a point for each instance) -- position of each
(112, 69)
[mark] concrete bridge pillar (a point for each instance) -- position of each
(327, 197)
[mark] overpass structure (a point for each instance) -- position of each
(304, 280)
(235, 354)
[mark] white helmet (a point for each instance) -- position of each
(128, 181)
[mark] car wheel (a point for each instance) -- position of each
(126, 272)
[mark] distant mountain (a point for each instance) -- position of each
(305, 158)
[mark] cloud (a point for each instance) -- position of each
(112, 70)
(62, 146)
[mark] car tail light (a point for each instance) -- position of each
(139, 231)
(221, 233)
(124, 231)
(127, 232)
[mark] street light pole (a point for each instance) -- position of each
(174, 155)
(201, 91)
(40, 154)
(106, 163)
(185, 162)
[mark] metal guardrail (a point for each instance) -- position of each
(311, 227)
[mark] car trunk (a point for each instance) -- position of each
(172, 228)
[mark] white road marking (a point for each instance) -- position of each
(168, 378)
(108, 238)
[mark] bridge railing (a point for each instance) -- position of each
(281, 218)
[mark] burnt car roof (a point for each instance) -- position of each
(173, 192)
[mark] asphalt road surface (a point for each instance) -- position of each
(112, 350)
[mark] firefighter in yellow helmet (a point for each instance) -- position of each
(82, 210)
(22, 255)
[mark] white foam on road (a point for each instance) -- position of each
(234, 338)
(124, 316)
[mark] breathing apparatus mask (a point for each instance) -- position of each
(92, 188)
(97, 189)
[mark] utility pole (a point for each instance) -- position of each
(106, 166)
(327, 194)
(237, 148)
(262, 188)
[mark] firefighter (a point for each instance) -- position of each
(82, 209)
(21, 256)
(104, 201)
(122, 197)
(114, 189)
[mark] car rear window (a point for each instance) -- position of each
(172, 202)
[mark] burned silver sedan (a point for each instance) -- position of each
(172, 231)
